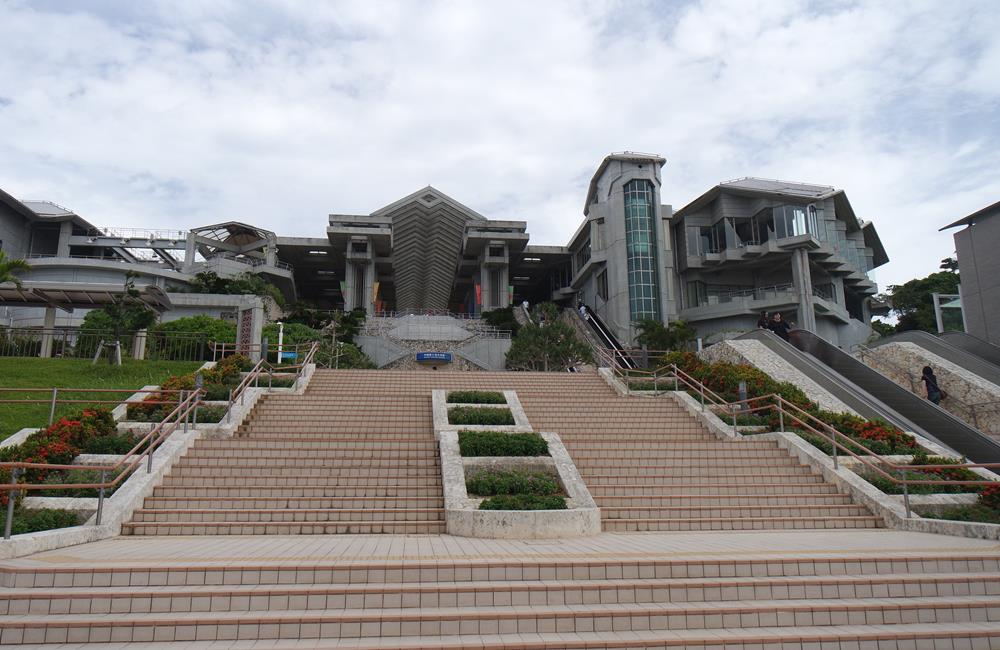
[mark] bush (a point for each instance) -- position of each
(33, 521)
(486, 483)
(214, 329)
(486, 416)
(523, 502)
(79, 476)
(975, 513)
(502, 319)
(211, 414)
(476, 397)
(59, 443)
(989, 497)
(350, 356)
(116, 444)
(493, 443)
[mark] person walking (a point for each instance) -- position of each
(779, 326)
(763, 322)
(934, 392)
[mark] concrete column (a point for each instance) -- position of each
(802, 278)
(139, 345)
(65, 232)
(189, 248)
(271, 253)
(50, 323)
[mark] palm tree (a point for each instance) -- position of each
(10, 266)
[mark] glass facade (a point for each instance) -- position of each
(640, 243)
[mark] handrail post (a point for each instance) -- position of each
(11, 497)
(52, 408)
(733, 406)
(229, 411)
(781, 415)
(833, 439)
(906, 492)
(701, 389)
(100, 498)
(185, 414)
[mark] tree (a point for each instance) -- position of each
(127, 312)
(547, 344)
(912, 301)
(240, 284)
(653, 335)
(949, 264)
(9, 267)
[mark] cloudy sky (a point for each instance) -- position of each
(177, 114)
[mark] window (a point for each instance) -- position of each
(640, 247)
(359, 287)
(358, 247)
(696, 295)
(602, 285)
(496, 251)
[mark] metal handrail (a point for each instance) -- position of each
(803, 418)
(182, 414)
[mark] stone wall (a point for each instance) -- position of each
(970, 397)
(756, 354)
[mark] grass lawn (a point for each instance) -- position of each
(17, 372)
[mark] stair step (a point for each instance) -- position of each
(286, 528)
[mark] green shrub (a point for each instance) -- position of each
(502, 319)
(211, 414)
(976, 513)
(485, 416)
(33, 521)
(80, 476)
(486, 483)
(476, 397)
(495, 443)
(117, 444)
(523, 502)
(990, 497)
(214, 329)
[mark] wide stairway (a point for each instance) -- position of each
(750, 592)
(335, 460)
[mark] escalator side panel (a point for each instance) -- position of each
(930, 418)
(973, 345)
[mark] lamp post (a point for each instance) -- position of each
(281, 337)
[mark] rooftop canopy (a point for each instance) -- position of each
(71, 295)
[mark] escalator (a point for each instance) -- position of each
(973, 345)
(926, 418)
(608, 339)
(946, 349)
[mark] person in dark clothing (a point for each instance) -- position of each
(762, 322)
(934, 392)
(779, 326)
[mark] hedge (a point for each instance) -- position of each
(524, 502)
(33, 521)
(495, 443)
(484, 416)
(486, 483)
(215, 381)
(476, 397)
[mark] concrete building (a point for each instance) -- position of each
(976, 245)
(742, 247)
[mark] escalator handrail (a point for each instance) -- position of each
(608, 338)
(973, 345)
(940, 347)
(951, 431)
(839, 386)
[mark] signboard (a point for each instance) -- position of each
(434, 356)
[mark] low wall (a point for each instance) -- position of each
(462, 515)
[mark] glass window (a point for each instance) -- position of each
(640, 238)
(602, 285)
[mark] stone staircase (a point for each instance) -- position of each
(882, 602)
(330, 461)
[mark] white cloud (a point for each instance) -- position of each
(180, 114)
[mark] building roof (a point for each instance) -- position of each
(988, 211)
(624, 156)
(750, 186)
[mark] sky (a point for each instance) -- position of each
(179, 114)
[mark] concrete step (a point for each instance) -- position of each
(286, 515)
(292, 503)
(741, 523)
(286, 528)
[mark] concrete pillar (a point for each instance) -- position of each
(802, 278)
(271, 252)
(50, 323)
(65, 232)
(139, 345)
(189, 248)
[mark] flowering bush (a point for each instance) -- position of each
(225, 373)
(724, 378)
(59, 443)
(990, 497)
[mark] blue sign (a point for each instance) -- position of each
(434, 356)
